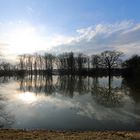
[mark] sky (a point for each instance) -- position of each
(56, 26)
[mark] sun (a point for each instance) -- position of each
(23, 40)
(26, 40)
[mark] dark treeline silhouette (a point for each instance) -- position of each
(132, 76)
(106, 63)
(133, 86)
(7, 69)
(132, 67)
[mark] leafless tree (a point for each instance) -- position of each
(95, 61)
(49, 60)
(111, 59)
(81, 60)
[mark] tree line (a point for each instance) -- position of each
(107, 62)
(69, 63)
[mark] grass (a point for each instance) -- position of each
(13, 134)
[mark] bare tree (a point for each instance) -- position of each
(81, 60)
(95, 61)
(49, 60)
(61, 62)
(71, 62)
(5, 66)
(30, 63)
(21, 62)
(35, 64)
(111, 59)
(66, 62)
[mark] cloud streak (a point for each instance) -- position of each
(23, 37)
(122, 36)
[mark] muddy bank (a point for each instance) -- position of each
(12, 134)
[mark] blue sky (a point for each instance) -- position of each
(68, 15)
(58, 21)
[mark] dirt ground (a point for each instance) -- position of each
(12, 134)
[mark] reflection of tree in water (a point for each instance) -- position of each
(37, 84)
(68, 85)
(107, 96)
(132, 87)
(4, 79)
(6, 119)
(65, 85)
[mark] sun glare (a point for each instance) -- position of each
(25, 40)
(27, 97)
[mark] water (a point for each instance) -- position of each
(69, 103)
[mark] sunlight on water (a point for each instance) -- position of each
(58, 103)
(27, 97)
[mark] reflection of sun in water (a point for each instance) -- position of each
(27, 97)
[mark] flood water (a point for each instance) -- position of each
(69, 103)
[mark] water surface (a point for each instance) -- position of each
(69, 103)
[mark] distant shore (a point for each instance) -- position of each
(18, 134)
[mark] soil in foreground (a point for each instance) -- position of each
(11, 134)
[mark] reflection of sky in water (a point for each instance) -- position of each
(116, 81)
(55, 111)
(27, 97)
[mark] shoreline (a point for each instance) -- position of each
(24, 134)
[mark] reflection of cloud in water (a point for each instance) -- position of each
(115, 81)
(6, 119)
(99, 112)
(85, 106)
(32, 110)
(82, 105)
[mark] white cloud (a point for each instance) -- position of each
(122, 36)
(22, 37)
